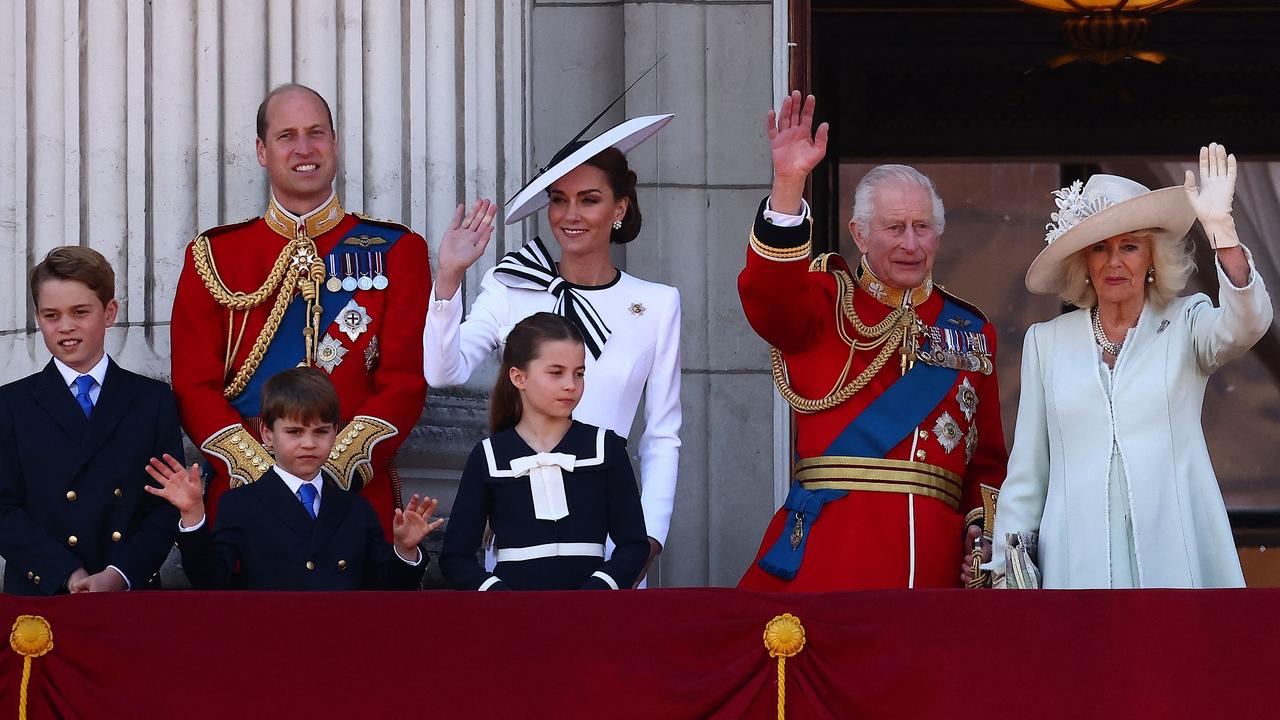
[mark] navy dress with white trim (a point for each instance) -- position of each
(550, 514)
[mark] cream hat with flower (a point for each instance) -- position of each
(1106, 206)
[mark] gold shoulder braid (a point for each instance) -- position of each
(298, 266)
(898, 331)
(352, 455)
(245, 457)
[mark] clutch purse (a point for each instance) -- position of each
(1020, 571)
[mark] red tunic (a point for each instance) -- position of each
(378, 377)
(866, 539)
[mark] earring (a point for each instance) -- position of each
(1087, 281)
(617, 224)
(1151, 275)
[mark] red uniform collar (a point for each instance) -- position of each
(312, 225)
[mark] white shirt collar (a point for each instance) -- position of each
(294, 482)
(69, 374)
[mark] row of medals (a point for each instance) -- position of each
(956, 349)
(372, 276)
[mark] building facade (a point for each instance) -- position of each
(129, 128)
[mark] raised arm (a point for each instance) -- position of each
(1244, 310)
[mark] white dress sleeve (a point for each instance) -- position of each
(1020, 507)
(1224, 333)
(660, 444)
(452, 347)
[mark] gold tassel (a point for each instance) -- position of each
(31, 637)
(783, 638)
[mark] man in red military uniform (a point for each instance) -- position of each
(305, 284)
(898, 443)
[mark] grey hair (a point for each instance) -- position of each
(864, 204)
(1174, 262)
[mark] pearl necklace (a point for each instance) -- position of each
(1100, 336)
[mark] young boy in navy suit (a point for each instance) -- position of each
(74, 441)
(294, 529)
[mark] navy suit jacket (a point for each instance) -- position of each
(65, 476)
(264, 530)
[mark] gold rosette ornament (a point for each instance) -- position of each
(31, 637)
(783, 638)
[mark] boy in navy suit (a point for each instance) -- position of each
(74, 441)
(294, 529)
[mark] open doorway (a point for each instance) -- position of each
(965, 92)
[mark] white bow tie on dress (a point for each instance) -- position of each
(546, 482)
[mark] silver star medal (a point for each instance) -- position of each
(329, 354)
(968, 399)
(947, 432)
(353, 320)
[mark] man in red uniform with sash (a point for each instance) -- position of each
(899, 449)
(305, 284)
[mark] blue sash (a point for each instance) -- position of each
(782, 560)
(287, 349)
(887, 421)
(894, 415)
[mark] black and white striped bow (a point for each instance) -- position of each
(531, 268)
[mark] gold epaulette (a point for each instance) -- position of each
(985, 516)
(220, 229)
(352, 454)
(383, 222)
(245, 457)
(961, 302)
(824, 262)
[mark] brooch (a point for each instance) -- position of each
(968, 399)
(970, 444)
(947, 432)
(371, 354)
(636, 309)
(329, 354)
(353, 320)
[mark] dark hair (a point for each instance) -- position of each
(303, 394)
(622, 180)
(73, 262)
(523, 343)
(280, 90)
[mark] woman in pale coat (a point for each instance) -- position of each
(1109, 463)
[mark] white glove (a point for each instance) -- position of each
(1212, 201)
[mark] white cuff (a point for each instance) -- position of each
(605, 577)
(493, 580)
(415, 562)
(439, 304)
(784, 220)
(193, 528)
(127, 585)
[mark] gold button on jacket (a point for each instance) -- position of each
(115, 536)
(71, 496)
(311, 565)
(72, 541)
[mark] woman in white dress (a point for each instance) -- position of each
(631, 326)
(1109, 463)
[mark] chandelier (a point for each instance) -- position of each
(1108, 30)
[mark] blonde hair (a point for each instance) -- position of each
(1174, 262)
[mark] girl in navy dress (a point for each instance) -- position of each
(551, 488)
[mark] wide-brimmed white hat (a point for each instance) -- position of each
(626, 136)
(1106, 206)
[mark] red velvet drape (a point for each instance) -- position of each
(694, 653)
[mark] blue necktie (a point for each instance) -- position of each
(307, 494)
(84, 384)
